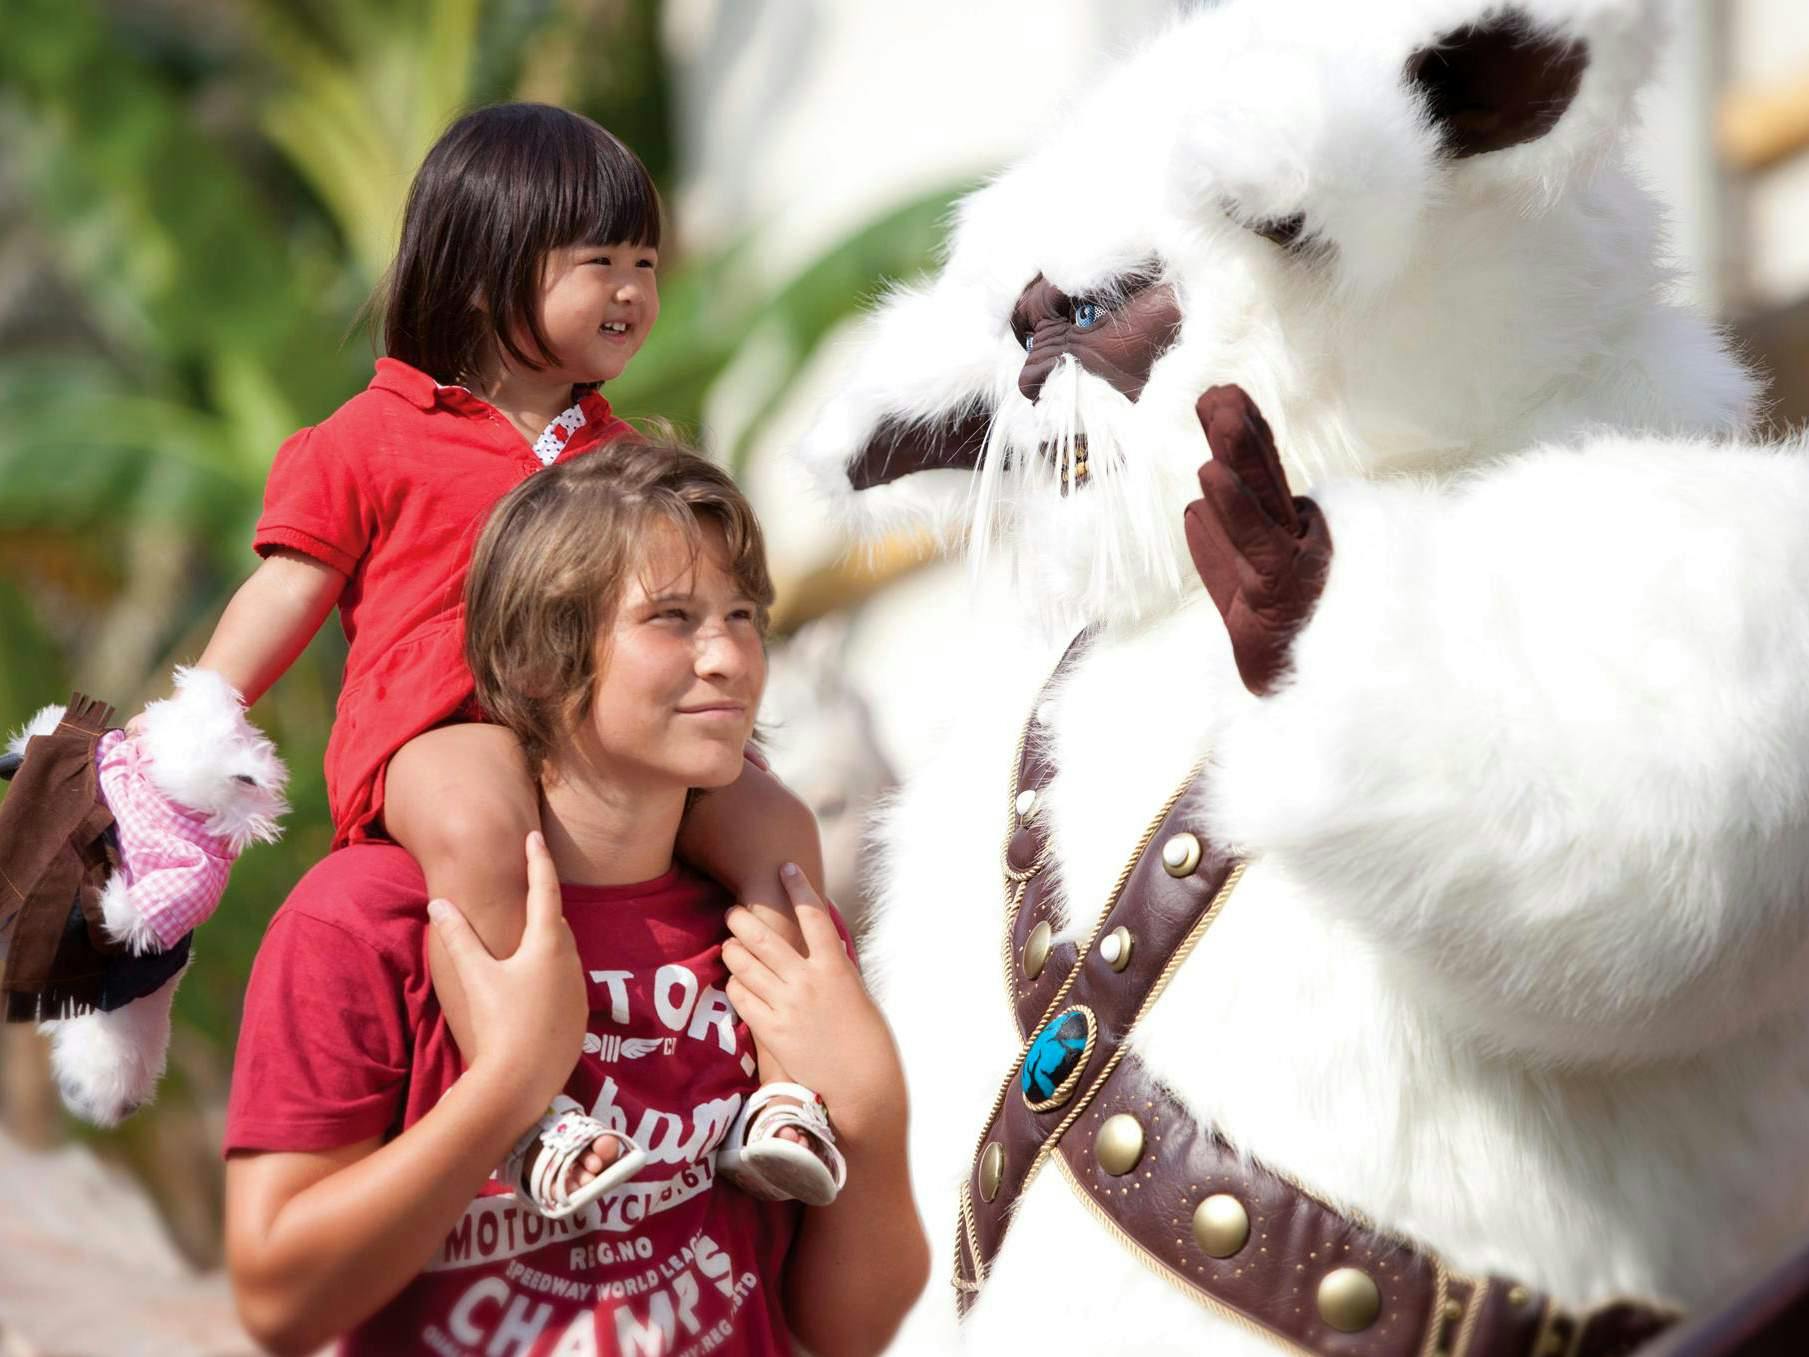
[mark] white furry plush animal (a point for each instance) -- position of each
(198, 785)
(1520, 963)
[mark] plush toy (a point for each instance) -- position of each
(116, 847)
(1397, 940)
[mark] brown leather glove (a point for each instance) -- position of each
(1262, 552)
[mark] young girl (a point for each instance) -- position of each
(616, 617)
(526, 277)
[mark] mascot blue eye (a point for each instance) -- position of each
(1087, 315)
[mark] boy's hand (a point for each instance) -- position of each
(812, 1013)
(529, 1010)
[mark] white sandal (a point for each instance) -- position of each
(765, 1165)
(562, 1139)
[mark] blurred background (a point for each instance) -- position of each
(196, 199)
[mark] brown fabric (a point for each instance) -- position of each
(1271, 1283)
(1497, 84)
(1262, 552)
(1132, 331)
(55, 854)
(900, 449)
(1770, 1318)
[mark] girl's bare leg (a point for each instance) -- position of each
(461, 801)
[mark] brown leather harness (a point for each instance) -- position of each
(1246, 1242)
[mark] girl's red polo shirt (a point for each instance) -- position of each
(392, 490)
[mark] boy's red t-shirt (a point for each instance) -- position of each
(391, 490)
(343, 1040)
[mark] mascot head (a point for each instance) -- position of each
(1405, 227)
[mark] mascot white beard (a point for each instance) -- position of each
(1519, 966)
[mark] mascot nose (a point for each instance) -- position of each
(1036, 370)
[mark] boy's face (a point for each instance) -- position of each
(597, 304)
(681, 671)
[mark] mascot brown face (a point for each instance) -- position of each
(1115, 335)
(1237, 206)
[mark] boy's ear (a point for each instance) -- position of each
(1497, 83)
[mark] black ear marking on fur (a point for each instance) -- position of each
(899, 448)
(1284, 231)
(1498, 83)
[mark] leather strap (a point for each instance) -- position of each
(1075, 1010)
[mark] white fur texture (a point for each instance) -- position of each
(206, 756)
(124, 922)
(43, 723)
(1520, 964)
(107, 1065)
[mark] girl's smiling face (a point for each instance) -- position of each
(681, 670)
(597, 305)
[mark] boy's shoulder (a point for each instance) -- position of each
(372, 892)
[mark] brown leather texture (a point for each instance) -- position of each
(1262, 552)
(55, 854)
(1133, 329)
(1271, 1282)
(900, 448)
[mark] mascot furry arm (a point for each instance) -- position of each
(1526, 779)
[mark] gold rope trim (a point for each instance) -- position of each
(1441, 1294)
(1466, 1332)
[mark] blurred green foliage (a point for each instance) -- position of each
(196, 199)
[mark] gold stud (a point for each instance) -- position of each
(992, 1169)
(1036, 950)
(1026, 803)
(1454, 1311)
(1115, 948)
(1181, 854)
(1119, 1144)
(1518, 1295)
(1348, 1300)
(1221, 1226)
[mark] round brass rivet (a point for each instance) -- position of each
(992, 1168)
(1221, 1226)
(1026, 803)
(1181, 854)
(1454, 1310)
(1115, 948)
(1518, 1295)
(1119, 1144)
(1349, 1300)
(1036, 950)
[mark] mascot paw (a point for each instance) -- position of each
(1262, 552)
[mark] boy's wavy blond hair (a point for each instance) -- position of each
(553, 562)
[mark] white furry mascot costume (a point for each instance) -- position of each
(1516, 758)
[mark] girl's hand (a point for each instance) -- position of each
(529, 1010)
(812, 1013)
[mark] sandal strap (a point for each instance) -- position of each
(561, 1137)
(808, 1114)
(807, 1102)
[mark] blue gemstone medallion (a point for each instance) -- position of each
(1056, 1057)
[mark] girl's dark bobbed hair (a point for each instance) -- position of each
(504, 186)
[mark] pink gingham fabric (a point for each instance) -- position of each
(175, 871)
